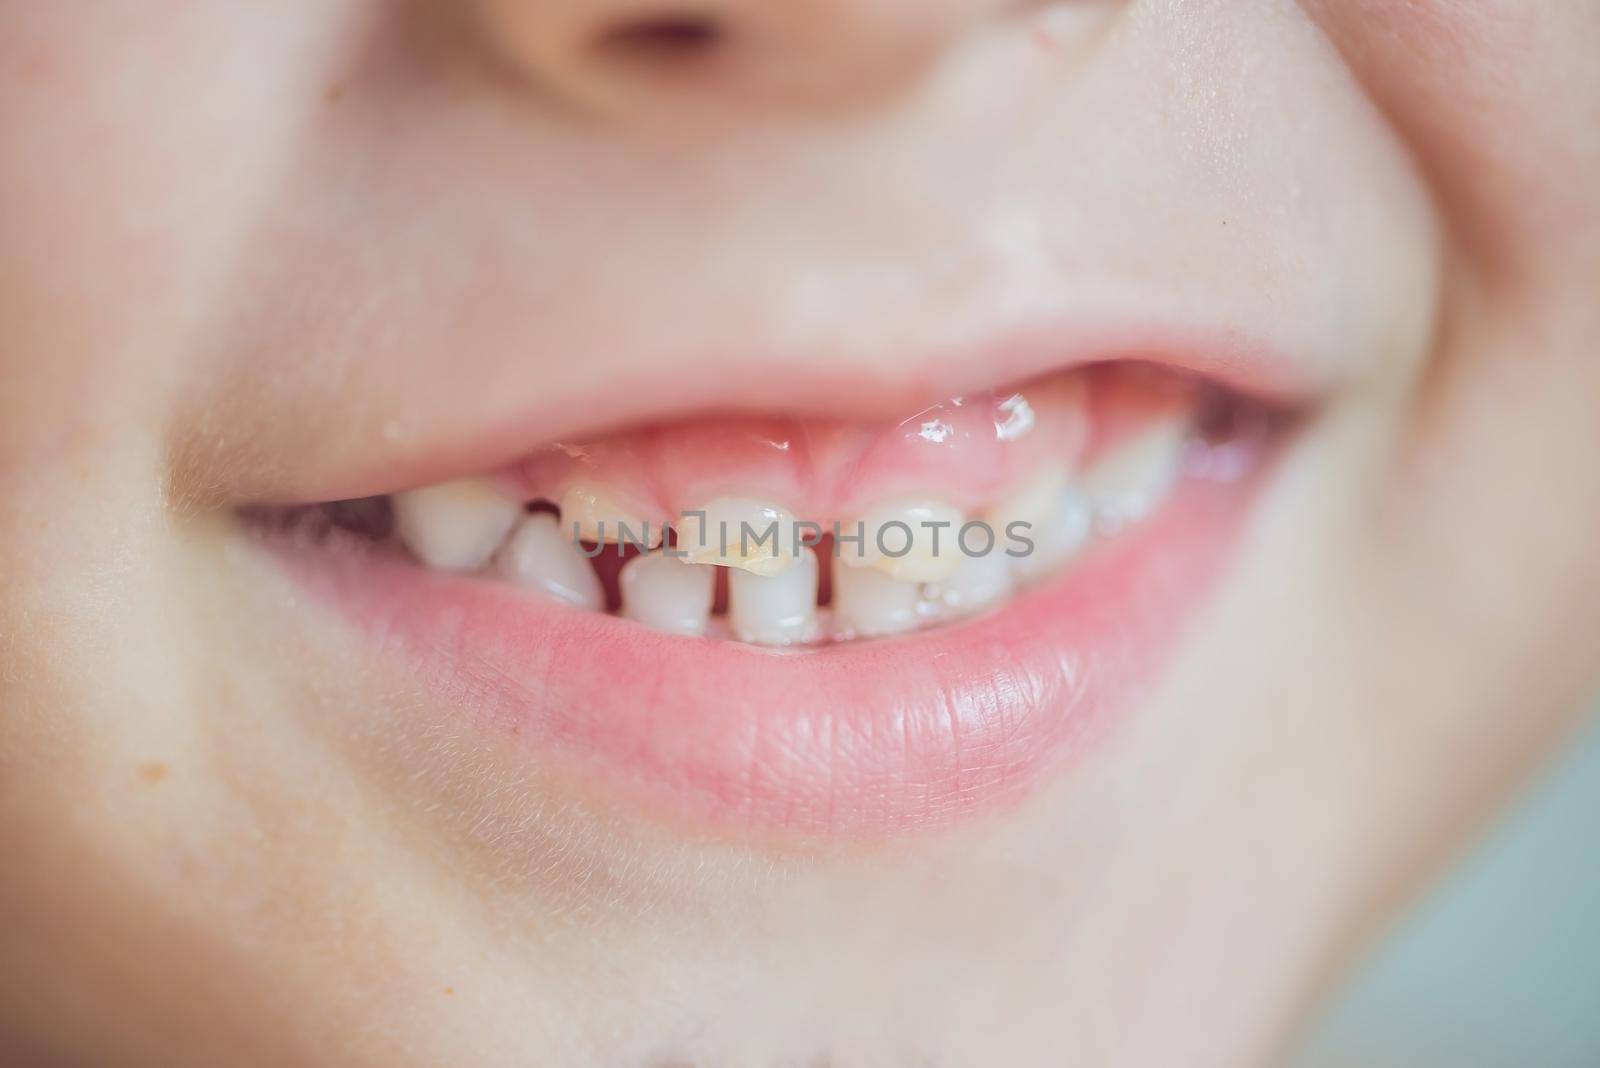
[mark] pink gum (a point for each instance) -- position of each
(967, 452)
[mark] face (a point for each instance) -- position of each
(337, 729)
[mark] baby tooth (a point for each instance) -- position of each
(868, 603)
(1134, 477)
(976, 583)
(1059, 538)
(598, 515)
(455, 526)
(541, 556)
(740, 533)
(667, 593)
(775, 609)
(911, 541)
(1058, 520)
(1034, 503)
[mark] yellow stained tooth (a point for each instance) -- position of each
(908, 540)
(740, 532)
(601, 515)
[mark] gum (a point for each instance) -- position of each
(967, 452)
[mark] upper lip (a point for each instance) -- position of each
(1253, 366)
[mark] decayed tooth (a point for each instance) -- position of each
(740, 533)
(455, 526)
(1059, 522)
(1133, 478)
(542, 556)
(668, 593)
(599, 515)
(868, 603)
(908, 540)
(977, 582)
(775, 609)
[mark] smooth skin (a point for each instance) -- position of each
(265, 252)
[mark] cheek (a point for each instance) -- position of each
(137, 147)
(1500, 101)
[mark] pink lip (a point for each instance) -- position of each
(499, 432)
(864, 738)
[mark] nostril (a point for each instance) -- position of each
(673, 37)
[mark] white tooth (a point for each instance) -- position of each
(668, 593)
(1132, 479)
(977, 582)
(869, 604)
(1058, 520)
(455, 526)
(741, 533)
(600, 515)
(1057, 539)
(542, 556)
(923, 533)
(1033, 503)
(775, 609)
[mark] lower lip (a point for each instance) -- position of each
(860, 738)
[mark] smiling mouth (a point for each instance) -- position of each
(811, 625)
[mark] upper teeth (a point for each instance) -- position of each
(1052, 514)
(740, 533)
(915, 560)
(1135, 475)
(542, 556)
(909, 540)
(455, 526)
(597, 514)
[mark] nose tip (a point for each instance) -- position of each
(616, 55)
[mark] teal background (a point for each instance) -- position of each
(1499, 967)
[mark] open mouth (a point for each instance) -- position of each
(810, 624)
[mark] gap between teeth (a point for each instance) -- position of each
(920, 562)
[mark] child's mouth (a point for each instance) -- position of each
(813, 624)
